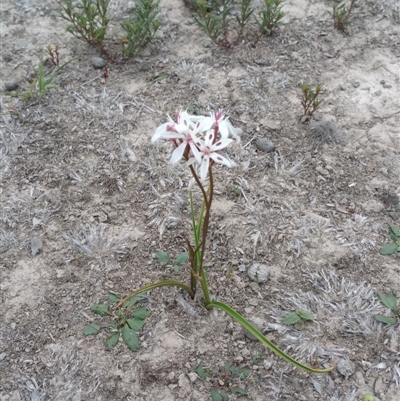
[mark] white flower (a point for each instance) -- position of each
(208, 150)
(184, 132)
(225, 127)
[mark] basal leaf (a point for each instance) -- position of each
(388, 249)
(216, 396)
(100, 309)
(305, 314)
(131, 302)
(389, 300)
(162, 257)
(201, 372)
(385, 319)
(91, 329)
(130, 338)
(395, 230)
(291, 318)
(181, 258)
(299, 325)
(141, 313)
(112, 340)
(113, 297)
(135, 324)
(238, 390)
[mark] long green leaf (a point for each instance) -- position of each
(164, 283)
(268, 343)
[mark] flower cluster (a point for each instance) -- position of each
(198, 139)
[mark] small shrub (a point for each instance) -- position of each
(341, 15)
(311, 99)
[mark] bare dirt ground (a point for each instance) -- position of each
(83, 189)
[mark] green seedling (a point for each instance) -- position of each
(390, 301)
(88, 19)
(341, 14)
(310, 99)
(298, 318)
(393, 248)
(53, 54)
(244, 16)
(141, 28)
(193, 108)
(126, 321)
(42, 84)
(88, 22)
(163, 258)
(270, 16)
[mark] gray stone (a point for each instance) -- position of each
(265, 145)
(11, 85)
(345, 367)
(98, 63)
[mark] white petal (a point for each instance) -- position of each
(178, 153)
(222, 143)
(159, 132)
(195, 152)
(204, 167)
(220, 159)
(204, 124)
(209, 138)
(223, 129)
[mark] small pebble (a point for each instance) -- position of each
(258, 272)
(11, 85)
(345, 368)
(265, 145)
(98, 63)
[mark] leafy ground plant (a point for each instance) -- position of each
(163, 258)
(88, 22)
(216, 19)
(390, 301)
(42, 84)
(341, 14)
(298, 318)
(198, 140)
(53, 54)
(310, 99)
(393, 248)
(126, 321)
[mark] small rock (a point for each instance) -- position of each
(2, 356)
(258, 272)
(193, 376)
(36, 245)
(265, 145)
(130, 6)
(98, 63)
(11, 85)
(346, 368)
(245, 352)
(322, 171)
(248, 334)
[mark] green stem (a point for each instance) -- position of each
(256, 333)
(164, 283)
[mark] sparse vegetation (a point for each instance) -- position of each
(341, 14)
(390, 301)
(41, 85)
(393, 248)
(216, 18)
(310, 99)
(298, 318)
(89, 21)
(127, 321)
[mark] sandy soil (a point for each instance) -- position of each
(86, 201)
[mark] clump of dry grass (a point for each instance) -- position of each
(325, 132)
(92, 242)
